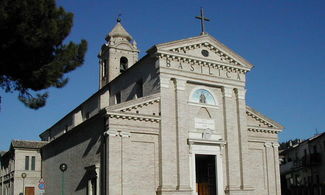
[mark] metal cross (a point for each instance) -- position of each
(203, 19)
(119, 18)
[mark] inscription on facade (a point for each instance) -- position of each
(207, 70)
(204, 123)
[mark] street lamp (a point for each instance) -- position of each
(23, 175)
(63, 167)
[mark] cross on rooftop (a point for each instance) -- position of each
(119, 18)
(203, 19)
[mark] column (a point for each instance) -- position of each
(231, 137)
(182, 135)
(90, 189)
(277, 168)
(242, 138)
(98, 178)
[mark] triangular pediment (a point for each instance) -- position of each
(258, 120)
(203, 47)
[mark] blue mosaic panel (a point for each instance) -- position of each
(203, 96)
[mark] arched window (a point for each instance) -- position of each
(123, 64)
(202, 96)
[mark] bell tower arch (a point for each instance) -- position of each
(118, 54)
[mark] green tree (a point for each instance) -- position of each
(33, 56)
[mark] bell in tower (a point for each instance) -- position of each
(118, 54)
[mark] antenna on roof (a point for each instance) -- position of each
(316, 131)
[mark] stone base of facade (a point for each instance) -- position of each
(173, 191)
(246, 190)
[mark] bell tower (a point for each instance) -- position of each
(118, 54)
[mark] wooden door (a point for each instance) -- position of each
(29, 191)
(205, 174)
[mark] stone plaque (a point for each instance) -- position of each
(204, 124)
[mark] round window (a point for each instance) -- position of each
(205, 53)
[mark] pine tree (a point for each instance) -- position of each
(33, 56)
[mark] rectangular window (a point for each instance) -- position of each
(139, 89)
(104, 68)
(33, 163)
(317, 179)
(26, 162)
(315, 149)
(118, 98)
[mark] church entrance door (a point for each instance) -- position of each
(29, 190)
(205, 166)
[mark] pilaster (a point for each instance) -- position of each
(231, 135)
(168, 153)
(243, 138)
(114, 162)
(277, 168)
(182, 135)
(270, 168)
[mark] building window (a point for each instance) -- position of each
(26, 162)
(104, 68)
(33, 163)
(123, 64)
(139, 89)
(202, 96)
(315, 149)
(317, 179)
(118, 98)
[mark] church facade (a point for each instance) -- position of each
(174, 122)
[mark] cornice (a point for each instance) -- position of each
(223, 55)
(259, 119)
(135, 117)
(205, 40)
(142, 104)
(263, 130)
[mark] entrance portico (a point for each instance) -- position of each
(202, 154)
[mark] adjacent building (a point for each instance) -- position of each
(303, 167)
(20, 171)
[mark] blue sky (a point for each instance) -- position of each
(285, 40)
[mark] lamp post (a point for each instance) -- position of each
(63, 167)
(23, 175)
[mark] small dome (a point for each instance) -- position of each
(119, 31)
